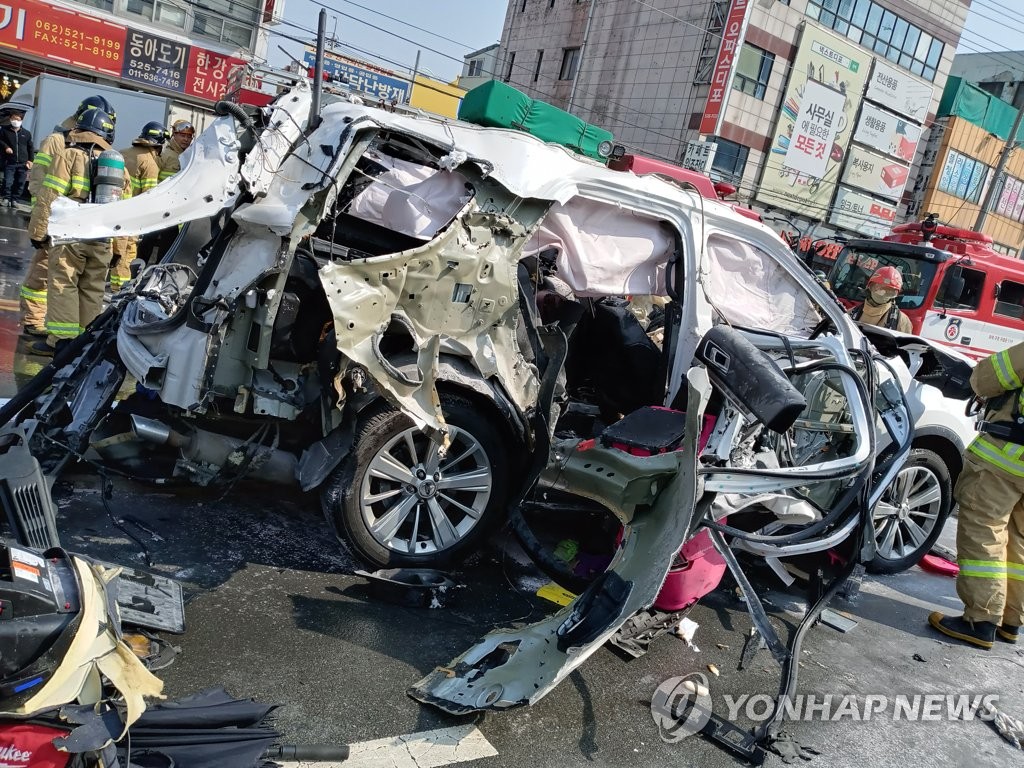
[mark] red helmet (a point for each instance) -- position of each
(889, 277)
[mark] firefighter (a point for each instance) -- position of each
(142, 167)
(182, 133)
(990, 524)
(33, 289)
(77, 272)
(879, 308)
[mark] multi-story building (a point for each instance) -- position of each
(478, 67)
(815, 107)
(185, 49)
(960, 156)
(1001, 73)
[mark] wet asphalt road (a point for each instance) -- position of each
(274, 612)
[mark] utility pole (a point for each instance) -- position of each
(583, 51)
(1004, 156)
(415, 72)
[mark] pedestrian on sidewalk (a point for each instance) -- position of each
(77, 272)
(990, 523)
(16, 144)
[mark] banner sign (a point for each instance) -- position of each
(862, 213)
(815, 125)
(85, 42)
(875, 174)
(721, 76)
(889, 134)
(900, 91)
(699, 155)
(364, 78)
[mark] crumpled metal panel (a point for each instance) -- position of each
(207, 183)
(461, 288)
(655, 497)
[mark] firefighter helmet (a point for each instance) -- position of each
(152, 134)
(183, 126)
(96, 102)
(887, 277)
(96, 121)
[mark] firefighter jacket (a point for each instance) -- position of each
(885, 316)
(170, 159)
(999, 379)
(45, 152)
(68, 175)
(142, 166)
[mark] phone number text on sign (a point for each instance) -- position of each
(156, 61)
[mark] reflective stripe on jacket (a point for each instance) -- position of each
(993, 377)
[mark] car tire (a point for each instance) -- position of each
(391, 517)
(912, 512)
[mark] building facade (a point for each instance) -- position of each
(815, 107)
(1001, 74)
(958, 166)
(188, 51)
(478, 67)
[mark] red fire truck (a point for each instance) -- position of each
(957, 290)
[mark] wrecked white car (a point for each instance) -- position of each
(428, 322)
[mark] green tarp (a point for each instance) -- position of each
(497, 105)
(961, 99)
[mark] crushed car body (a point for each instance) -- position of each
(405, 312)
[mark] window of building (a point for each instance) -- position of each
(570, 63)
(962, 177)
(511, 65)
(730, 160)
(969, 297)
(753, 68)
(882, 31)
(540, 61)
(1010, 300)
(1008, 199)
(476, 66)
(995, 88)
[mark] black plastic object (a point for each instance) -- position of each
(313, 752)
(40, 604)
(745, 374)
(412, 587)
(646, 431)
(595, 611)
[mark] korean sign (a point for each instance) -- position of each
(887, 133)
(365, 78)
(208, 73)
(699, 155)
(815, 129)
(721, 76)
(862, 213)
(875, 174)
(48, 32)
(828, 76)
(899, 91)
(153, 60)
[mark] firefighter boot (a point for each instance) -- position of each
(980, 634)
(1007, 633)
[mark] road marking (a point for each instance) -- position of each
(426, 749)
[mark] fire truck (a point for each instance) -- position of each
(957, 290)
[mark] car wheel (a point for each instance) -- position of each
(910, 515)
(398, 502)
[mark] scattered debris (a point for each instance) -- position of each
(640, 630)
(714, 670)
(838, 620)
(722, 646)
(685, 629)
(919, 657)
(412, 587)
(1010, 728)
(556, 594)
(939, 565)
(751, 646)
(790, 750)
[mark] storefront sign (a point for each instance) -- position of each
(699, 155)
(69, 37)
(899, 91)
(862, 213)
(827, 77)
(88, 43)
(815, 129)
(365, 78)
(889, 134)
(722, 74)
(153, 60)
(875, 174)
